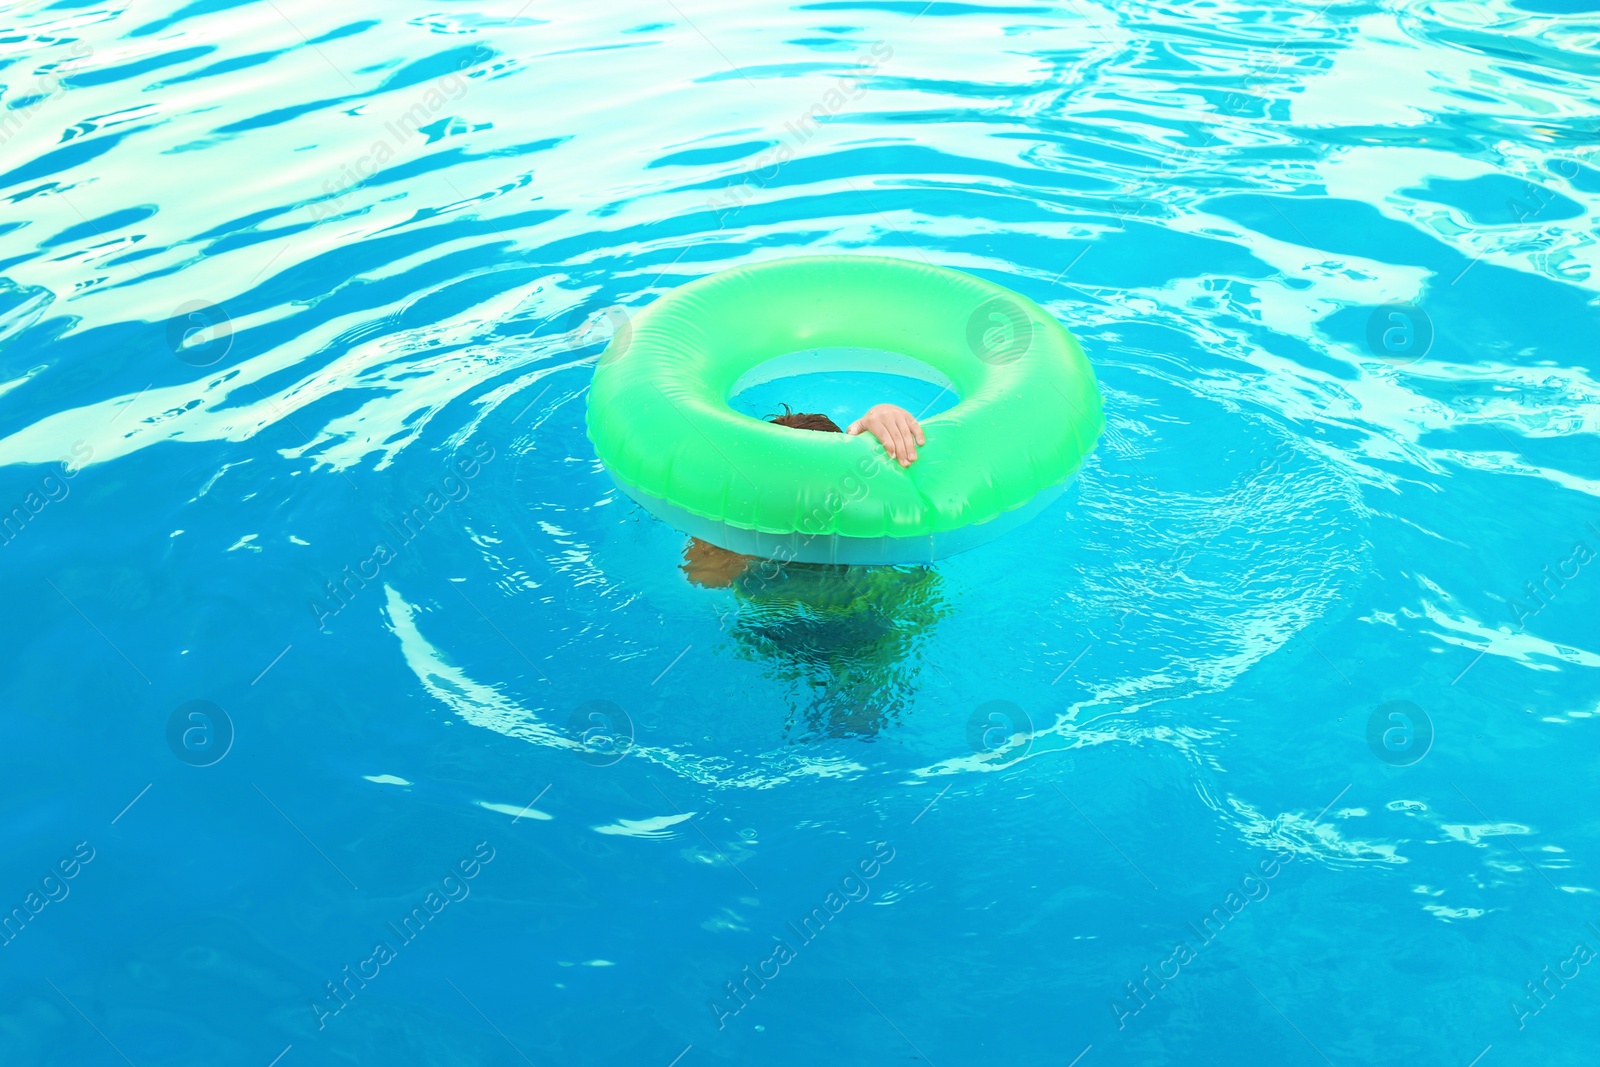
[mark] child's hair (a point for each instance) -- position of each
(802, 420)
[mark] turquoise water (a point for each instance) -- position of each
(352, 716)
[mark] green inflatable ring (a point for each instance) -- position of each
(658, 413)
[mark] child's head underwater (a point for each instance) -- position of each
(804, 420)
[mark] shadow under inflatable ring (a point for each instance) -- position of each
(659, 417)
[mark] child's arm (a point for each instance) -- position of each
(706, 565)
(895, 428)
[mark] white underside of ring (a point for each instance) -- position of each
(801, 547)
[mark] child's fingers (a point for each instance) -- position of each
(905, 428)
(891, 444)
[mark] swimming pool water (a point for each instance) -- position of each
(352, 716)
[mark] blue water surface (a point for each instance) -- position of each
(351, 715)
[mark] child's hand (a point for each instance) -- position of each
(899, 432)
